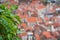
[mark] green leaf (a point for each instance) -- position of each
(1, 10)
(1, 38)
(8, 23)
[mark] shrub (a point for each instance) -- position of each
(8, 23)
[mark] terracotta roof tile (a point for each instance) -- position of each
(41, 7)
(56, 24)
(21, 16)
(31, 19)
(46, 18)
(29, 28)
(37, 37)
(13, 2)
(25, 15)
(23, 34)
(34, 7)
(47, 34)
(39, 20)
(24, 25)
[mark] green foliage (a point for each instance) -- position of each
(8, 23)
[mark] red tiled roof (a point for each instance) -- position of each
(31, 19)
(29, 28)
(39, 20)
(24, 25)
(47, 34)
(37, 37)
(41, 6)
(25, 16)
(46, 18)
(13, 2)
(23, 34)
(33, 7)
(56, 24)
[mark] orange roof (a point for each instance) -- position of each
(54, 34)
(31, 9)
(37, 37)
(33, 2)
(25, 8)
(41, 6)
(46, 18)
(25, 15)
(18, 11)
(31, 19)
(24, 25)
(47, 34)
(56, 24)
(21, 16)
(39, 20)
(23, 34)
(13, 2)
(29, 28)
